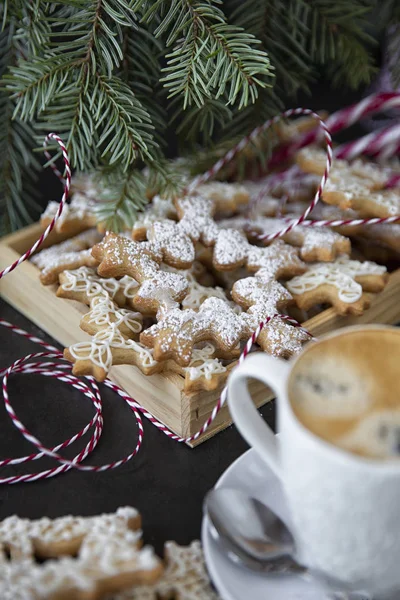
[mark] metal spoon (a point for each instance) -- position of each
(249, 532)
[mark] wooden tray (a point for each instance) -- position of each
(160, 394)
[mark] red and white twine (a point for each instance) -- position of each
(32, 363)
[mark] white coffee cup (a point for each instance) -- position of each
(345, 508)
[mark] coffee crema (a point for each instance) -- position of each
(346, 392)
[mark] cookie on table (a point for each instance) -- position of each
(88, 557)
(84, 283)
(265, 299)
(205, 371)
(109, 347)
(229, 198)
(341, 284)
(316, 244)
(159, 290)
(159, 208)
(77, 215)
(71, 254)
(355, 194)
(313, 160)
(177, 332)
(185, 577)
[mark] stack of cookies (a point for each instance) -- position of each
(188, 286)
(91, 558)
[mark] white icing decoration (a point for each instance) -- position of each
(103, 312)
(99, 350)
(340, 274)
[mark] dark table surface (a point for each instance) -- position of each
(166, 481)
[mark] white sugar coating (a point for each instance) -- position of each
(263, 298)
(349, 186)
(275, 259)
(65, 528)
(198, 293)
(109, 549)
(173, 285)
(378, 174)
(79, 207)
(279, 338)
(179, 330)
(231, 248)
(377, 435)
(139, 259)
(185, 577)
(159, 208)
(226, 326)
(227, 196)
(83, 241)
(172, 241)
(238, 222)
(196, 220)
(309, 238)
(388, 199)
(67, 260)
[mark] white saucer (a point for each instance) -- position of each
(233, 582)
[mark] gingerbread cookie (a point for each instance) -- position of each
(313, 160)
(205, 371)
(175, 335)
(109, 347)
(316, 244)
(185, 577)
(265, 298)
(76, 216)
(160, 208)
(113, 330)
(83, 284)
(71, 254)
(89, 557)
(228, 198)
(104, 314)
(340, 284)
(355, 194)
(159, 290)
(176, 247)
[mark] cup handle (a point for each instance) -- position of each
(273, 372)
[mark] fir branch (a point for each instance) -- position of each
(142, 72)
(200, 124)
(210, 57)
(339, 41)
(75, 90)
(123, 196)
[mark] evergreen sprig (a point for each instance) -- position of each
(113, 77)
